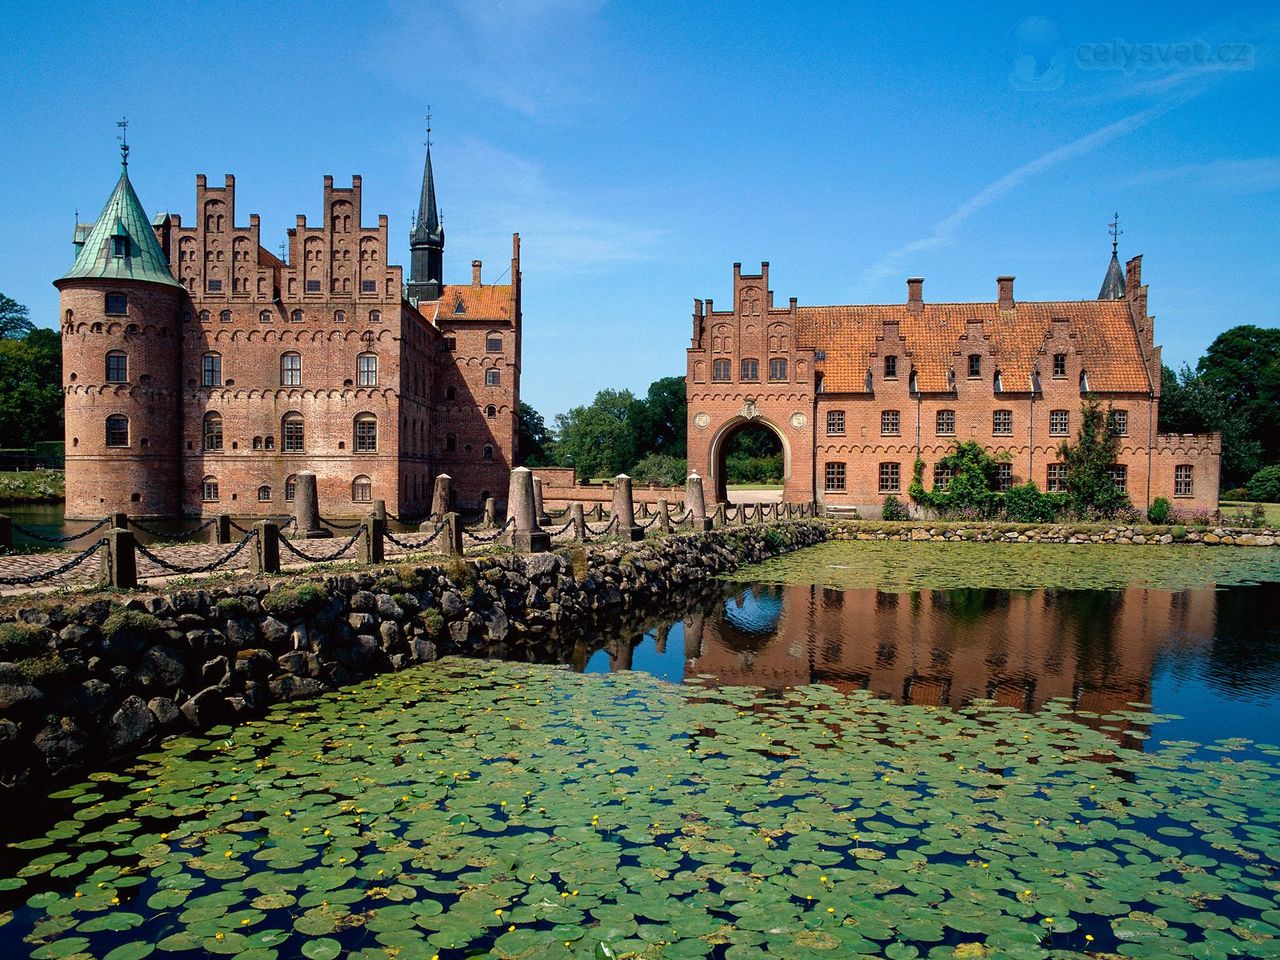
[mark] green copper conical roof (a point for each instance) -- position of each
(121, 245)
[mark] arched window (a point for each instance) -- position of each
(339, 316)
(211, 370)
(296, 316)
(291, 369)
(117, 430)
(225, 316)
(366, 433)
(361, 489)
(264, 316)
(264, 494)
(367, 370)
(375, 316)
(212, 431)
(491, 411)
(209, 489)
(292, 433)
(488, 451)
(493, 343)
(291, 487)
(117, 366)
(451, 441)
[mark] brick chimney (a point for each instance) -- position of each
(1005, 286)
(475, 270)
(915, 294)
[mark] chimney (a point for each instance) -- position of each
(1005, 286)
(475, 270)
(915, 294)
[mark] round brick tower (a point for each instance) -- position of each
(121, 366)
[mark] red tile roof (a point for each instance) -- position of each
(935, 339)
(480, 301)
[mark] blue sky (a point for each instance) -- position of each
(642, 148)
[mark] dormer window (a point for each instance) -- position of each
(460, 307)
(998, 382)
(120, 246)
(975, 365)
(1084, 382)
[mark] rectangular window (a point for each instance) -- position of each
(367, 370)
(211, 370)
(493, 345)
(1002, 423)
(975, 365)
(834, 476)
(293, 435)
(291, 370)
(1059, 365)
(1118, 423)
(720, 371)
(890, 423)
(117, 304)
(1056, 478)
(1183, 485)
(1119, 475)
(750, 370)
(891, 368)
(362, 490)
(366, 435)
(450, 343)
(835, 423)
(941, 476)
(1059, 423)
(210, 490)
(946, 423)
(1004, 476)
(117, 367)
(777, 369)
(117, 431)
(890, 477)
(313, 286)
(368, 286)
(213, 286)
(493, 377)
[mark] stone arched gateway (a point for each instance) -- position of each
(716, 478)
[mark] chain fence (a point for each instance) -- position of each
(33, 578)
(161, 535)
(490, 538)
(41, 538)
(209, 567)
(351, 542)
(421, 544)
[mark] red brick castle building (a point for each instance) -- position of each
(202, 372)
(857, 393)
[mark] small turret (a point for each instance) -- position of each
(1113, 286)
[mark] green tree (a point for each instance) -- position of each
(30, 388)
(598, 440)
(535, 438)
(1191, 402)
(1090, 489)
(1243, 365)
(659, 420)
(971, 488)
(15, 320)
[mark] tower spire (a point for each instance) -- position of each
(1113, 287)
(426, 238)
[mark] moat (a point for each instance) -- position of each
(893, 753)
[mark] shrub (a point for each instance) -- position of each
(1159, 511)
(121, 622)
(659, 468)
(1027, 504)
(40, 670)
(1090, 490)
(1264, 486)
(894, 509)
(20, 640)
(289, 602)
(230, 607)
(1236, 494)
(970, 493)
(432, 621)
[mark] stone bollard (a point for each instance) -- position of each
(695, 503)
(596, 512)
(221, 529)
(119, 560)
(490, 512)
(579, 522)
(374, 539)
(643, 509)
(664, 515)
(721, 517)
(6, 532)
(526, 536)
(119, 521)
(624, 510)
(538, 509)
(267, 546)
(452, 534)
(306, 508)
(441, 499)
(379, 509)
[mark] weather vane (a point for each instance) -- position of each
(1115, 231)
(428, 119)
(123, 124)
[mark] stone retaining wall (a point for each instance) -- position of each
(1049, 533)
(80, 683)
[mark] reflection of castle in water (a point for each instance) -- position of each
(1096, 649)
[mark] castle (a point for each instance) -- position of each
(202, 372)
(857, 394)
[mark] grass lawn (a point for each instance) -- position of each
(1232, 506)
(32, 486)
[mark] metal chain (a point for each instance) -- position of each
(288, 545)
(440, 528)
(173, 536)
(559, 530)
(58, 571)
(603, 530)
(209, 567)
(651, 521)
(688, 515)
(341, 526)
(28, 532)
(482, 538)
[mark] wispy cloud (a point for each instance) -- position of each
(945, 230)
(1253, 175)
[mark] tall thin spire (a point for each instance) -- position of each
(426, 238)
(1113, 287)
